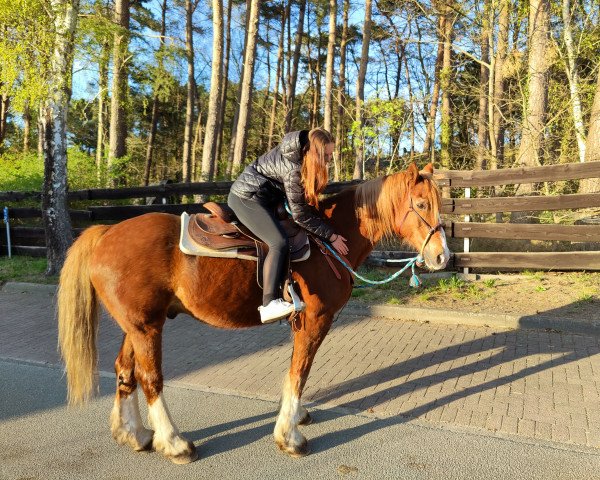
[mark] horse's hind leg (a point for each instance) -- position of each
(292, 413)
(125, 420)
(148, 357)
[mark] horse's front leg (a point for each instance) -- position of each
(148, 359)
(306, 343)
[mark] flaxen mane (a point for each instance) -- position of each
(377, 202)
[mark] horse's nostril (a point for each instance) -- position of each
(441, 258)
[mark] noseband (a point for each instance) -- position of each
(432, 230)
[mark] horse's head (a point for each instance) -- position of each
(406, 205)
(418, 217)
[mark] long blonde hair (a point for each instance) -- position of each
(314, 165)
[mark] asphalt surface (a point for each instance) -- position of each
(40, 438)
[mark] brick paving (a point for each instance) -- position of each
(535, 384)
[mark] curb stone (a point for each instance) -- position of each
(423, 315)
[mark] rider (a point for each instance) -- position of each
(295, 170)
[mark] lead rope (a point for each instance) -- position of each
(410, 263)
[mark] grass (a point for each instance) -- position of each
(24, 269)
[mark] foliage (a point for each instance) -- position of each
(25, 172)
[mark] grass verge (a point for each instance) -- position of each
(25, 269)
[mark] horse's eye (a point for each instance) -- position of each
(422, 205)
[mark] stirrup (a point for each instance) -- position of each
(299, 305)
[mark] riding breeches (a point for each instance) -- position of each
(261, 221)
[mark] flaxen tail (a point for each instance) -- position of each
(78, 317)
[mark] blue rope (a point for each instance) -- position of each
(410, 263)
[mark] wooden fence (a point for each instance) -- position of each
(29, 240)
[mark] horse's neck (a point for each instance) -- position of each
(344, 221)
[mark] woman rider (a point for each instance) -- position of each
(295, 170)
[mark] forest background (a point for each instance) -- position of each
(134, 92)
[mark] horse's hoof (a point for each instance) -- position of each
(306, 419)
(295, 451)
(145, 445)
(188, 456)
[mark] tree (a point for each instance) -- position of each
(327, 120)
(530, 150)
(484, 79)
(293, 72)
(573, 76)
(277, 79)
(246, 96)
(156, 94)
(435, 96)
(210, 135)
(446, 82)
(118, 121)
(360, 91)
(341, 93)
(55, 215)
(190, 6)
(592, 147)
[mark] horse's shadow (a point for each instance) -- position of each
(513, 345)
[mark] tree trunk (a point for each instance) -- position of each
(55, 214)
(191, 94)
(530, 150)
(446, 82)
(360, 92)
(277, 76)
(327, 120)
(573, 77)
(210, 135)
(293, 75)
(155, 100)
(225, 83)
(26, 126)
(241, 141)
(484, 79)
(592, 147)
(435, 96)
(236, 116)
(102, 101)
(40, 132)
(496, 106)
(338, 162)
(4, 105)
(197, 145)
(118, 121)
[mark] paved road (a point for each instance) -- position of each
(42, 439)
(415, 396)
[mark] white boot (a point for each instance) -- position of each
(275, 310)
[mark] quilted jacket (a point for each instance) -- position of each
(275, 176)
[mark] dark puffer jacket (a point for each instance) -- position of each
(277, 175)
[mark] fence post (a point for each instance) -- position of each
(8, 246)
(467, 240)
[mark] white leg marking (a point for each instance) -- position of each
(167, 439)
(287, 435)
(126, 423)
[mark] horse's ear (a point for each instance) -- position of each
(427, 171)
(428, 168)
(412, 173)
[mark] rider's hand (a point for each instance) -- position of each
(339, 243)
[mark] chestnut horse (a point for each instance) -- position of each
(138, 272)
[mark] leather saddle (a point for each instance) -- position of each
(220, 234)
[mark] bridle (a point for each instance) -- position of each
(432, 230)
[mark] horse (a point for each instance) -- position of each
(137, 271)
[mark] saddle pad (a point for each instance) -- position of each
(189, 247)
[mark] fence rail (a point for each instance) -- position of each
(29, 240)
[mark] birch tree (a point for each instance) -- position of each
(55, 214)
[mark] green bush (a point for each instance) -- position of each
(25, 172)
